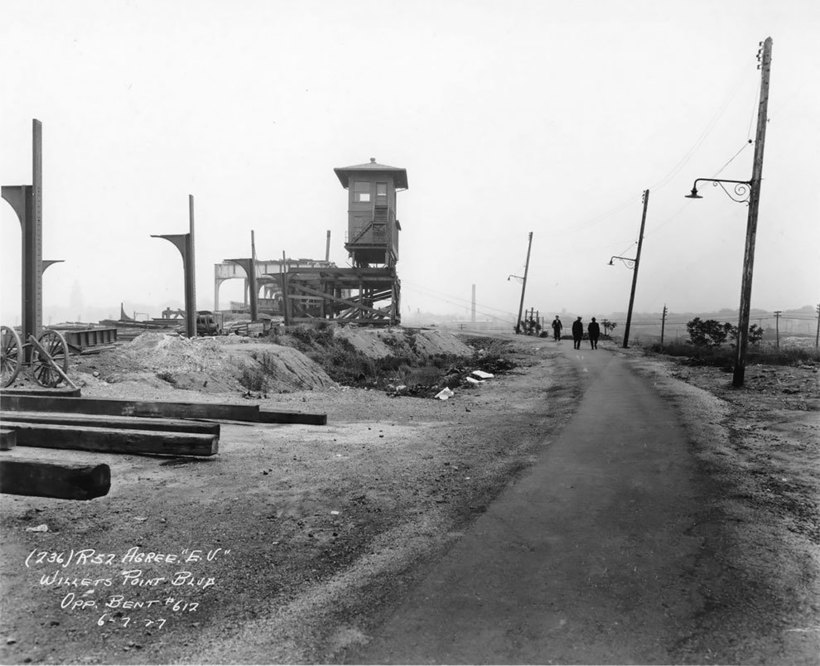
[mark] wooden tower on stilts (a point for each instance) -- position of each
(369, 292)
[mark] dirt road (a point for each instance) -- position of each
(608, 550)
(592, 557)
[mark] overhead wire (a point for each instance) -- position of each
(461, 302)
(676, 169)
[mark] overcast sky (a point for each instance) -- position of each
(510, 117)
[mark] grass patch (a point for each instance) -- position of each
(254, 378)
(407, 366)
(690, 354)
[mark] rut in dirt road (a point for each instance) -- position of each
(587, 558)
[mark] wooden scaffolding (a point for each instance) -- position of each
(369, 296)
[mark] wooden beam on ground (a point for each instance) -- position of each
(44, 478)
(112, 407)
(109, 440)
(270, 416)
(8, 439)
(197, 410)
(65, 391)
(105, 421)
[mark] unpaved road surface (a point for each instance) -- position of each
(701, 547)
(605, 551)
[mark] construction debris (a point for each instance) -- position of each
(445, 394)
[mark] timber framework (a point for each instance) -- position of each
(308, 291)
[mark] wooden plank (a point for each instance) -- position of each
(109, 440)
(44, 478)
(105, 421)
(8, 439)
(65, 391)
(270, 416)
(117, 407)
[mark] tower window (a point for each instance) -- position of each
(361, 192)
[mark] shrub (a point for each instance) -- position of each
(711, 333)
(253, 378)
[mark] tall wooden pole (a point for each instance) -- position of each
(472, 307)
(751, 224)
(635, 271)
(663, 323)
(817, 334)
(523, 287)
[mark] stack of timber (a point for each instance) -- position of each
(48, 420)
(112, 434)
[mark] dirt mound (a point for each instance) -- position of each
(381, 343)
(209, 365)
(301, 358)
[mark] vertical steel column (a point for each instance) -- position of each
(185, 244)
(252, 277)
(27, 202)
(190, 272)
(251, 286)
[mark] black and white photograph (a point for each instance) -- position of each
(428, 332)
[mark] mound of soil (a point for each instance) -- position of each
(302, 358)
(209, 365)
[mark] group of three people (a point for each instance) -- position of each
(593, 329)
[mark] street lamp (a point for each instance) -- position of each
(633, 264)
(741, 189)
(626, 261)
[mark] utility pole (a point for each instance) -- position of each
(635, 272)
(751, 225)
(817, 335)
(523, 287)
(777, 314)
(472, 307)
(663, 323)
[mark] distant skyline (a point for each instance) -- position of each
(531, 116)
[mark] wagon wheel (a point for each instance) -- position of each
(10, 355)
(55, 346)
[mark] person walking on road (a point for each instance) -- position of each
(594, 331)
(556, 329)
(577, 333)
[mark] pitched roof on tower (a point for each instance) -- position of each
(399, 175)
